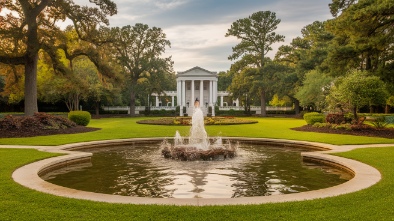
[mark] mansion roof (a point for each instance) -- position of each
(196, 72)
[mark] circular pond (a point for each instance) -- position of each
(140, 170)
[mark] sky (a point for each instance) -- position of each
(197, 28)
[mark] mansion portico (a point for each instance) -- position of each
(197, 83)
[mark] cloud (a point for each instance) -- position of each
(196, 28)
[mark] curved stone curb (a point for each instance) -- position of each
(364, 175)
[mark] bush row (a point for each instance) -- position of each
(341, 120)
(37, 121)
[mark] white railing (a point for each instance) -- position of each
(256, 108)
(169, 108)
(137, 108)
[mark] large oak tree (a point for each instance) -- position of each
(28, 26)
(138, 50)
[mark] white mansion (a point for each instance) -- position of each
(195, 83)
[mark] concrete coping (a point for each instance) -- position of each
(364, 175)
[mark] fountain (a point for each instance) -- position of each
(198, 145)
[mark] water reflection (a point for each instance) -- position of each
(140, 170)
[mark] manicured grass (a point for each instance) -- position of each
(20, 203)
(119, 128)
(374, 203)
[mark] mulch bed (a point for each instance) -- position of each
(44, 132)
(370, 132)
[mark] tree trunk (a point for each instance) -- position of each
(386, 109)
(263, 106)
(355, 113)
(297, 106)
(97, 108)
(132, 103)
(31, 106)
(32, 48)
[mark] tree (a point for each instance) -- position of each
(314, 89)
(224, 80)
(363, 38)
(304, 54)
(138, 51)
(358, 89)
(280, 102)
(31, 25)
(340, 5)
(257, 35)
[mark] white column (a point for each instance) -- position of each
(178, 93)
(210, 93)
(201, 93)
(183, 93)
(157, 101)
(192, 98)
(172, 101)
(221, 101)
(237, 102)
(215, 91)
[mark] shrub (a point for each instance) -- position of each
(379, 122)
(321, 125)
(342, 127)
(313, 117)
(335, 118)
(389, 119)
(39, 121)
(80, 117)
(10, 122)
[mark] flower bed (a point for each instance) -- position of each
(207, 121)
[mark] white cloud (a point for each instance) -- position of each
(169, 4)
(197, 28)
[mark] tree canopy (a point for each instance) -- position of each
(257, 35)
(29, 26)
(138, 49)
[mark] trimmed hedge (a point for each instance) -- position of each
(80, 117)
(313, 117)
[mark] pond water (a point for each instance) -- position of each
(141, 170)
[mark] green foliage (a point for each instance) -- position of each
(320, 125)
(20, 47)
(357, 89)
(224, 80)
(280, 102)
(39, 121)
(80, 117)
(138, 50)
(313, 117)
(379, 122)
(363, 36)
(257, 34)
(314, 90)
(389, 119)
(390, 101)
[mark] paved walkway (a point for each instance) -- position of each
(364, 175)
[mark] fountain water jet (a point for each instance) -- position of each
(198, 146)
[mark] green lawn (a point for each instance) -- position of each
(20, 203)
(117, 128)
